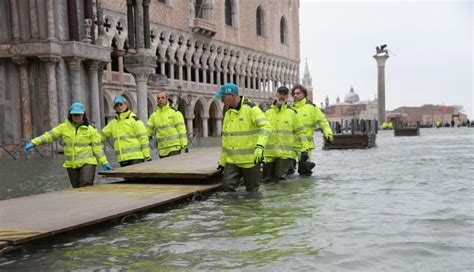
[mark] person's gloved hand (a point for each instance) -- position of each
(304, 156)
(28, 146)
(106, 167)
(330, 138)
(186, 149)
(220, 168)
(258, 155)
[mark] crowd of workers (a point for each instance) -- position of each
(277, 138)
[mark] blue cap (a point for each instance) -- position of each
(119, 99)
(228, 88)
(76, 108)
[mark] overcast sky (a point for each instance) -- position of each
(431, 44)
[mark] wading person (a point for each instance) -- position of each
(287, 140)
(129, 133)
(168, 123)
(244, 136)
(82, 146)
(311, 117)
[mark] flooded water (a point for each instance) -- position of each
(406, 205)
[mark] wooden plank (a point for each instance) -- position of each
(351, 141)
(28, 218)
(197, 164)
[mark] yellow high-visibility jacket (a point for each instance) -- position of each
(82, 144)
(170, 129)
(130, 137)
(311, 116)
(288, 137)
(244, 128)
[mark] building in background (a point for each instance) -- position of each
(428, 115)
(351, 108)
(56, 52)
(307, 82)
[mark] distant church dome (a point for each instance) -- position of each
(351, 97)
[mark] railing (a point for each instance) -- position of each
(15, 150)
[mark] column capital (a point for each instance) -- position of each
(96, 65)
(52, 59)
(141, 73)
(381, 60)
(20, 61)
(73, 63)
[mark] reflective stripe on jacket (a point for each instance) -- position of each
(170, 129)
(288, 136)
(244, 128)
(82, 144)
(311, 116)
(130, 137)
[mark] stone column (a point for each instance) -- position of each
(141, 65)
(53, 109)
(33, 20)
(189, 124)
(204, 127)
(146, 23)
(120, 66)
(22, 64)
(188, 70)
(180, 65)
(74, 65)
(204, 76)
(211, 75)
(72, 20)
(139, 24)
(219, 126)
(15, 23)
(94, 67)
(171, 62)
(196, 74)
(130, 24)
(218, 77)
(51, 35)
(381, 86)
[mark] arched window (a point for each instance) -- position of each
(198, 9)
(229, 12)
(283, 30)
(259, 21)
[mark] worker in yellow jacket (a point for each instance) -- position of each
(82, 146)
(168, 123)
(311, 117)
(287, 140)
(129, 133)
(244, 135)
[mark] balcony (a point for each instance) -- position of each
(204, 27)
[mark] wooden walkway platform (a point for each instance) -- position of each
(33, 217)
(197, 164)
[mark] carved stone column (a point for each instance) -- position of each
(22, 64)
(218, 77)
(204, 126)
(51, 35)
(141, 66)
(171, 62)
(53, 109)
(15, 23)
(33, 20)
(94, 67)
(196, 74)
(120, 66)
(211, 75)
(188, 70)
(74, 65)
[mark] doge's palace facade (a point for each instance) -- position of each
(55, 52)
